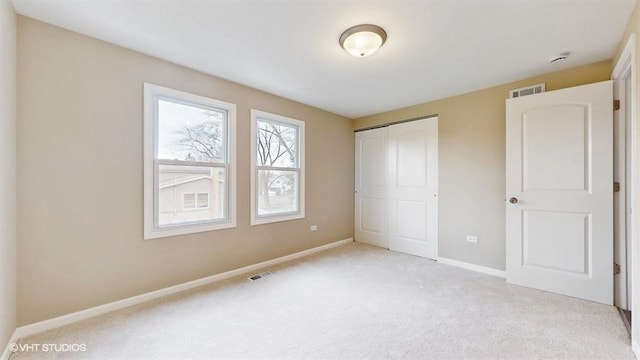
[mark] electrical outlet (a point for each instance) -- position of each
(472, 239)
(314, 227)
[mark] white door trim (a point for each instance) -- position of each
(620, 198)
(626, 63)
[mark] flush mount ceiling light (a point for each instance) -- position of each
(363, 40)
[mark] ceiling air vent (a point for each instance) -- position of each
(529, 90)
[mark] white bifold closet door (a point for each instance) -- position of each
(396, 201)
(371, 187)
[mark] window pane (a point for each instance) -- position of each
(191, 133)
(276, 144)
(189, 201)
(203, 200)
(201, 189)
(277, 192)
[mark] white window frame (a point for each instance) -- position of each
(300, 214)
(152, 93)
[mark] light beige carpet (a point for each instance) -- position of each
(352, 302)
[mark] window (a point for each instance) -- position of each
(189, 201)
(189, 169)
(195, 201)
(277, 168)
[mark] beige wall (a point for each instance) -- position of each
(7, 171)
(633, 27)
(471, 150)
(81, 243)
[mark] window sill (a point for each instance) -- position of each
(276, 218)
(186, 229)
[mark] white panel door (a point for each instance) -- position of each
(371, 187)
(413, 187)
(559, 191)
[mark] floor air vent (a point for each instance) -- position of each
(260, 276)
(529, 90)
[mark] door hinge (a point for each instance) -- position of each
(616, 105)
(616, 269)
(616, 187)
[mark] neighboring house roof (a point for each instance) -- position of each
(186, 181)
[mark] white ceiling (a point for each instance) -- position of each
(435, 48)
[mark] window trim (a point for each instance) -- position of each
(300, 214)
(151, 164)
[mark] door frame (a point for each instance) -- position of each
(625, 70)
(622, 198)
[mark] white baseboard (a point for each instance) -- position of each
(636, 349)
(473, 267)
(7, 350)
(45, 325)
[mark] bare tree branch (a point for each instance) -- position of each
(202, 141)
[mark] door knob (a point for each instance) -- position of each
(513, 200)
